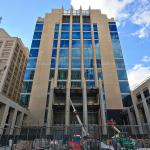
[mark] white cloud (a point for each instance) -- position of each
(113, 8)
(143, 32)
(146, 59)
(138, 74)
(137, 12)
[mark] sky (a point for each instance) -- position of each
(132, 16)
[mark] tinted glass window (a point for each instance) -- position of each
(53, 63)
(124, 87)
(63, 52)
(66, 19)
(37, 35)
(52, 73)
(75, 35)
(89, 74)
(95, 27)
(86, 27)
(27, 86)
(63, 62)
(76, 19)
(88, 63)
(75, 43)
(54, 52)
(119, 63)
(86, 19)
(112, 27)
(90, 84)
(97, 52)
(56, 35)
(64, 43)
(29, 74)
(75, 74)
(88, 52)
(62, 74)
(24, 100)
(76, 63)
(55, 43)
(35, 43)
(65, 27)
(75, 27)
(127, 100)
(87, 43)
(118, 53)
(56, 27)
(96, 35)
(98, 61)
(76, 52)
(65, 35)
(122, 75)
(39, 27)
(100, 75)
(87, 35)
(114, 35)
(33, 53)
(146, 92)
(31, 63)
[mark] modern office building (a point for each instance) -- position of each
(75, 54)
(13, 59)
(139, 112)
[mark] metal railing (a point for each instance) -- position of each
(58, 137)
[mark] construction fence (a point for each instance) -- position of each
(63, 137)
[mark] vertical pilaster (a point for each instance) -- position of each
(137, 114)
(58, 49)
(146, 109)
(50, 108)
(67, 108)
(102, 108)
(131, 121)
(94, 51)
(84, 91)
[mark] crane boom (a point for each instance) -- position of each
(85, 133)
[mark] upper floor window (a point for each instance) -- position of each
(37, 35)
(146, 92)
(87, 35)
(119, 63)
(86, 27)
(75, 27)
(39, 27)
(34, 52)
(65, 27)
(124, 87)
(64, 35)
(86, 19)
(56, 27)
(35, 43)
(75, 43)
(75, 35)
(112, 27)
(76, 19)
(64, 43)
(95, 27)
(31, 63)
(66, 19)
(122, 75)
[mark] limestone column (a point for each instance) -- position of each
(94, 52)
(83, 82)
(67, 108)
(102, 109)
(5, 114)
(12, 126)
(146, 109)
(50, 107)
(137, 114)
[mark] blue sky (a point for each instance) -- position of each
(132, 16)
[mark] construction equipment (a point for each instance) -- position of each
(84, 131)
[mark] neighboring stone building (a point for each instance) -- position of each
(139, 113)
(13, 59)
(75, 54)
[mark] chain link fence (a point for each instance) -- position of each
(66, 137)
